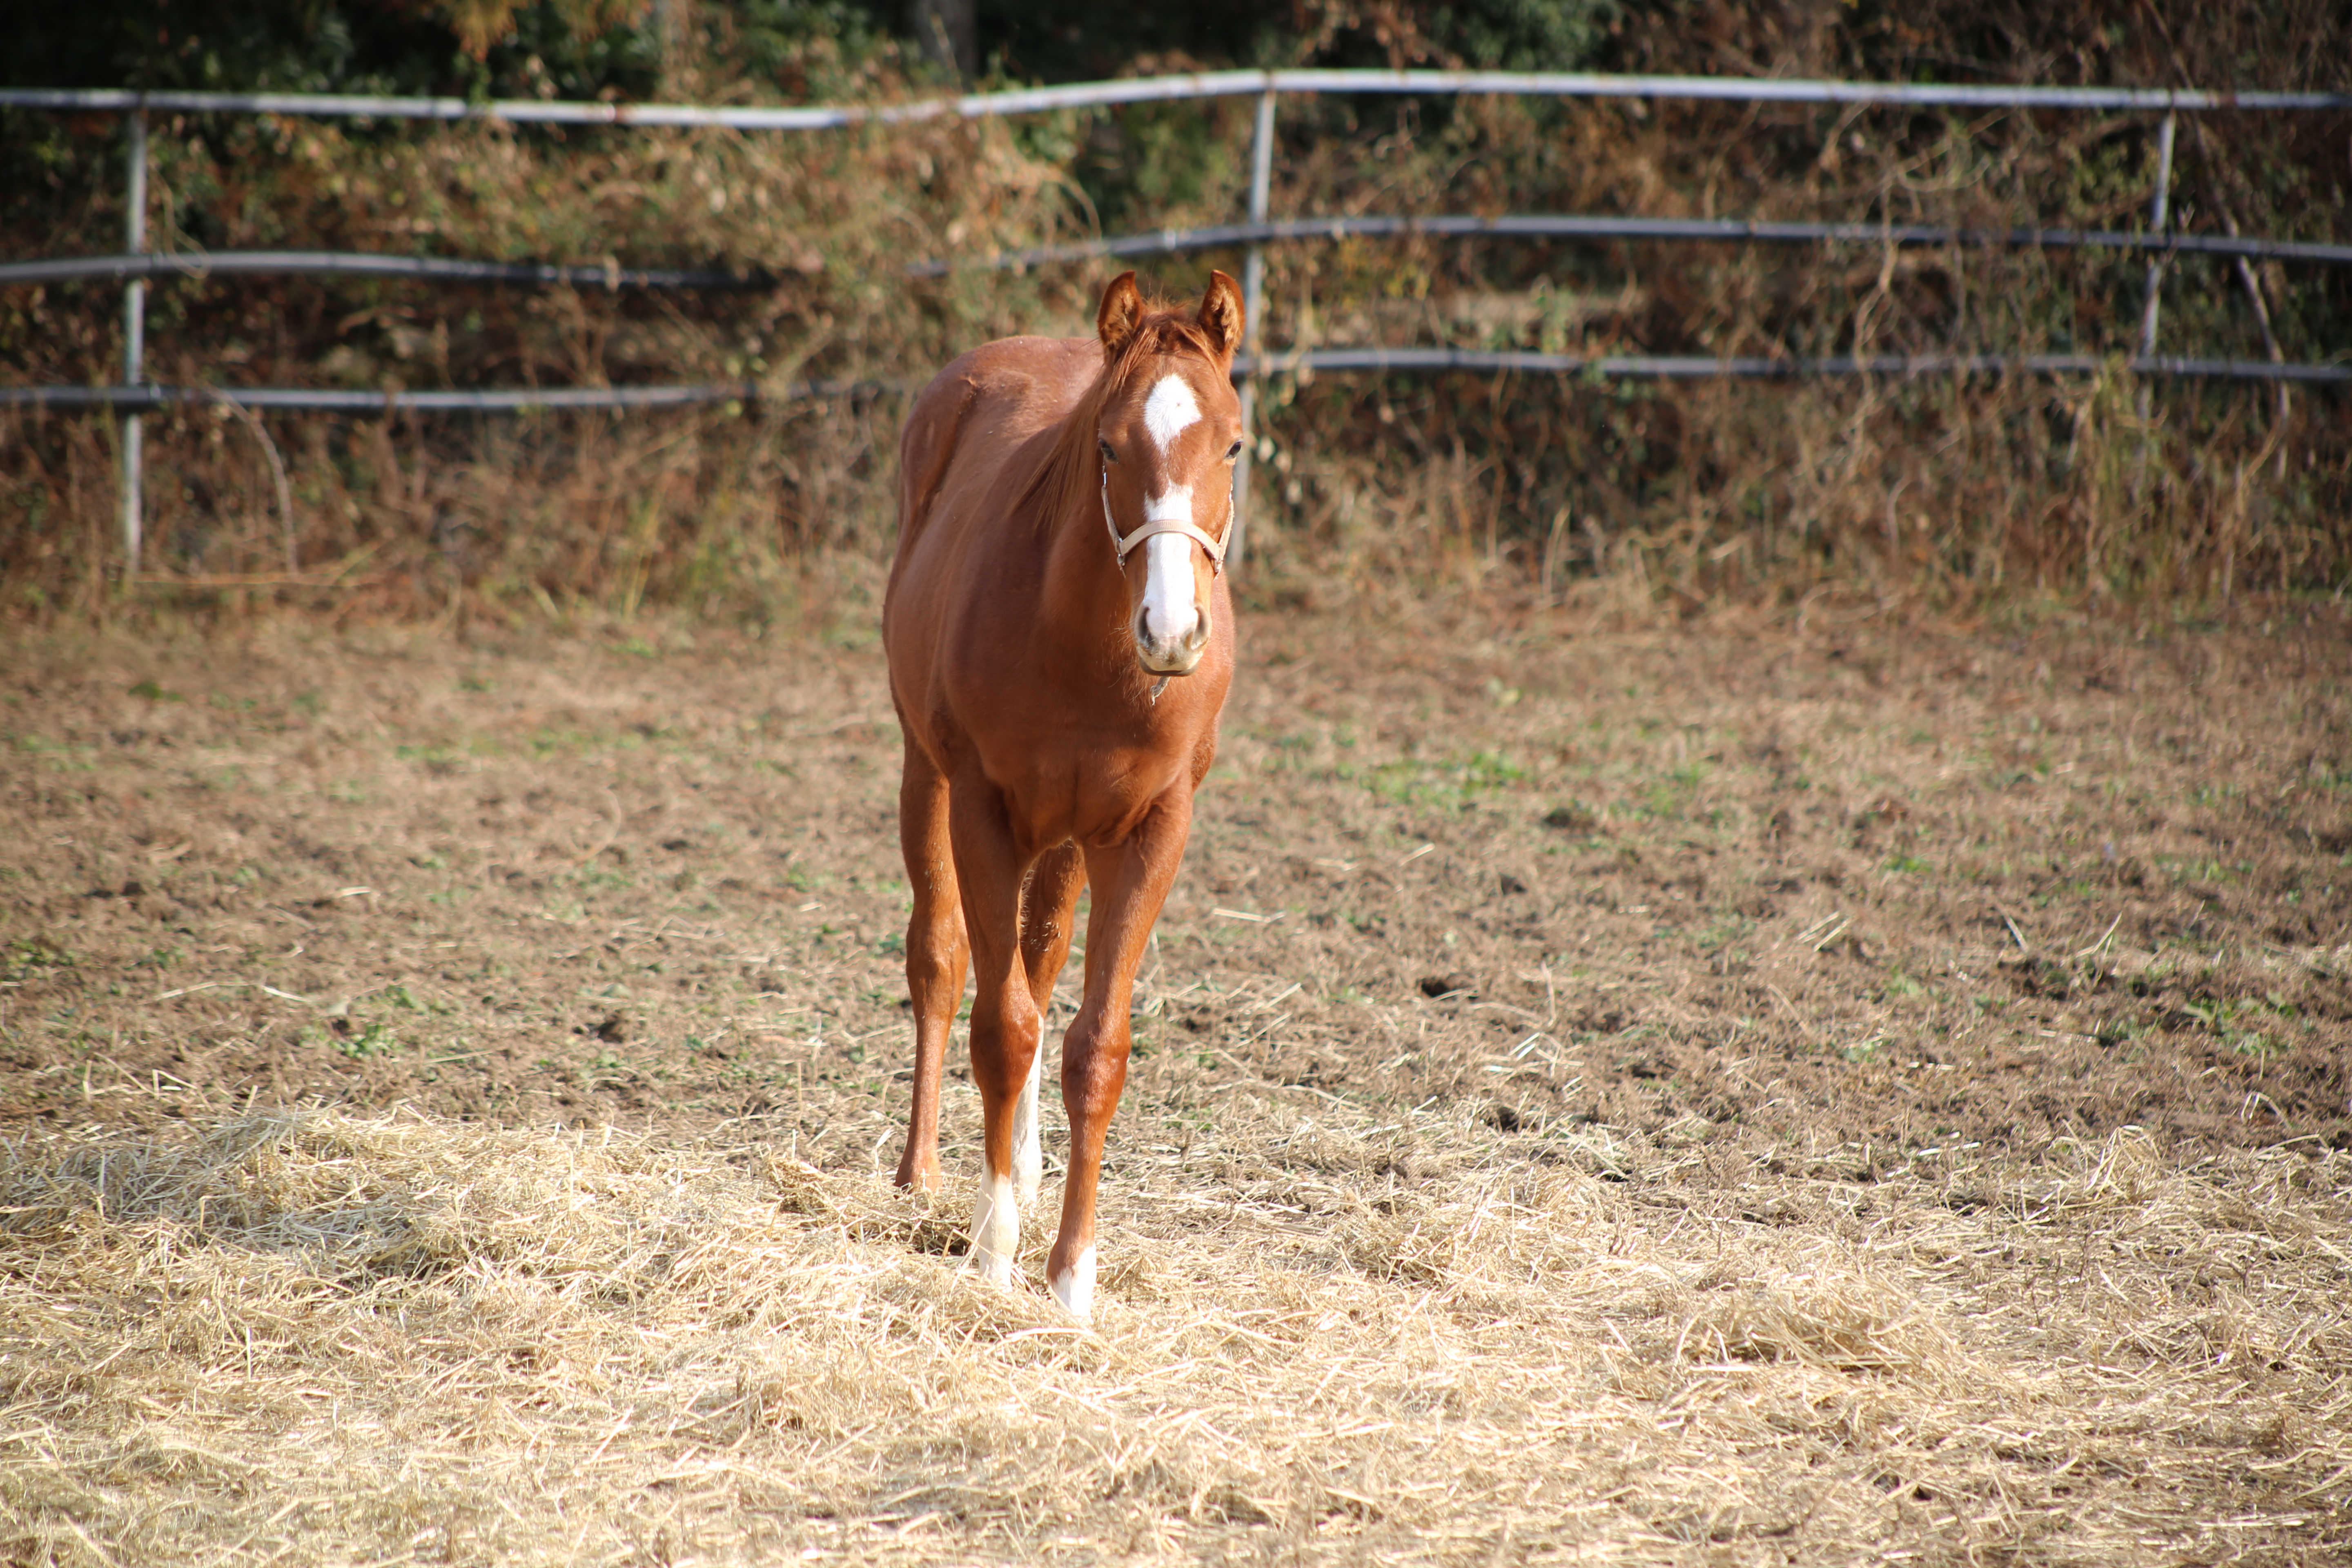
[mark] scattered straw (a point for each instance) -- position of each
(321, 1337)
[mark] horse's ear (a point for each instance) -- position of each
(1221, 313)
(1122, 308)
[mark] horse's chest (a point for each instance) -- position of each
(1093, 792)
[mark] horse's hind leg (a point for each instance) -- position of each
(936, 955)
(1048, 900)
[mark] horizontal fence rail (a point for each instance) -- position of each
(198, 265)
(1701, 367)
(137, 266)
(1545, 226)
(334, 400)
(1172, 88)
(1296, 362)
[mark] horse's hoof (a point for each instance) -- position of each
(1074, 1287)
(996, 1267)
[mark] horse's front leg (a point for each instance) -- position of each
(1005, 1021)
(1131, 882)
(1047, 899)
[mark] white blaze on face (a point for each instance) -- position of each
(1073, 1287)
(1169, 615)
(1169, 612)
(1170, 411)
(995, 1229)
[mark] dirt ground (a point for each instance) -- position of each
(1768, 929)
(1767, 896)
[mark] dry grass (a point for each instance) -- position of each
(327, 1337)
(1885, 1097)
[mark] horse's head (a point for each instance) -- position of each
(1168, 432)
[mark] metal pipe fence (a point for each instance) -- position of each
(1179, 87)
(1247, 367)
(198, 265)
(137, 266)
(1554, 227)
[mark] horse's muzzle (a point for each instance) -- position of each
(1164, 655)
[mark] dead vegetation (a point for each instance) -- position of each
(1717, 1097)
(1949, 492)
(322, 1335)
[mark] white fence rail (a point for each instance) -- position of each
(138, 264)
(1170, 89)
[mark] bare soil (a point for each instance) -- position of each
(1867, 889)
(1770, 938)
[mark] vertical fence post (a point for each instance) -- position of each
(134, 345)
(2144, 396)
(1252, 303)
(2156, 220)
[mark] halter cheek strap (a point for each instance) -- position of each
(1124, 546)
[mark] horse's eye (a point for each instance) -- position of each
(1109, 455)
(1232, 451)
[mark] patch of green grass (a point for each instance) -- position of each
(372, 1040)
(2230, 1020)
(554, 742)
(1673, 795)
(1723, 930)
(402, 997)
(27, 955)
(1454, 780)
(2120, 1030)
(62, 755)
(604, 1067)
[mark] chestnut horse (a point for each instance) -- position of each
(1063, 509)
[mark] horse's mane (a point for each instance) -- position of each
(1071, 475)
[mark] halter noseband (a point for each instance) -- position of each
(1124, 546)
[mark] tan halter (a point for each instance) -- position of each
(1162, 525)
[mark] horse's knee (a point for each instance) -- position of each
(1094, 1064)
(1003, 1043)
(931, 965)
